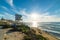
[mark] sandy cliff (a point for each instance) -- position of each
(20, 36)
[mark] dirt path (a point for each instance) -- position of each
(13, 35)
(1, 34)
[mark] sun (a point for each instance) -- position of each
(34, 19)
(34, 16)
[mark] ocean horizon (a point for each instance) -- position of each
(52, 28)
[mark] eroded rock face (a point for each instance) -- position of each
(14, 36)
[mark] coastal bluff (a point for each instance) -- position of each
(32, 35)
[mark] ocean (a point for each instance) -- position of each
(52, 28)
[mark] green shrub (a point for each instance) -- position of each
(40, 37)
(37, 37)
(23, 28)
(6, 26)
(27, 38)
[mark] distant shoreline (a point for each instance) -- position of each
(51, 35)
(48, 35)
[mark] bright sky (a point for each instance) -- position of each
(36, 10)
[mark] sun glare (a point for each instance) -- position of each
(34, 24)
(34, 19)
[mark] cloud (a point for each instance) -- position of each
(24, 14)
(7, 16)
(57, 11)
(1, 15)
(43, 18)
(50, 6)
(21, 12)
(5, 8)
(10, 2)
